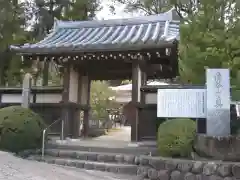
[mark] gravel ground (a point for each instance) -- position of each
(14, 168)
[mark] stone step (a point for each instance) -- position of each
(90, 165)
(94, 156)
(142, 168)
(106, 149)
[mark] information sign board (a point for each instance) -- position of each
(182, 103)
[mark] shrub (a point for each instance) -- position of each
(175, 137)
(20, 129)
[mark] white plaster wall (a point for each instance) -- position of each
(13, 98)
(48, 98)
(40, 98)
(151, 98)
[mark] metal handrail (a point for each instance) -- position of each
(44, 133)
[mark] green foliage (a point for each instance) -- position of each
(20, 129)
(175, 137)
(100, 99)
(45, 12)
(159, 121)
(210, 39)
(210, 36)
(82, 10)
(29, 21)
(235, 127)
(48, 10)
(235, 93)
(12, 23)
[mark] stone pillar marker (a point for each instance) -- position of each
(218, 102)
(26, 90)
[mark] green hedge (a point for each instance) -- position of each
(20, 129)
(175, 137)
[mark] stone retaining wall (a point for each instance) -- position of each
(174, 169)
(219, 148)
(153, 168)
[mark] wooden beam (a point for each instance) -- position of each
(152, 73)
(124, 56)
(109, 67)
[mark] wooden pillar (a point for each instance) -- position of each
(136, 97)
(143, 82)
(73, 85)
(84, 100)
(65, 98)
(74, 108)
(45, 72)
(77, 124)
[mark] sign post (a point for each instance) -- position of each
(211, 103)
(218, 102)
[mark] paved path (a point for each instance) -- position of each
(116, 139)
(122, 134)
(14, 168)
(120, 138)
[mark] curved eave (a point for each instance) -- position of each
(91, 48)
(134, 34)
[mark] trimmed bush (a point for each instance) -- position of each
(20, 129)
(175, 137)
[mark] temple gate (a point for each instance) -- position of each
(137, 48)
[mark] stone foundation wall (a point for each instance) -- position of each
(174, 169)
(152, 168)
(218, 148)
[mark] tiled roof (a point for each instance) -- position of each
(108, 35)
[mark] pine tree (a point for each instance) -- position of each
(12, 23)
(209, 36)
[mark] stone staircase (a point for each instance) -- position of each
(116, 163)
(130, 161)
(133, 160)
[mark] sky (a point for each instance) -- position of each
(105, 13)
